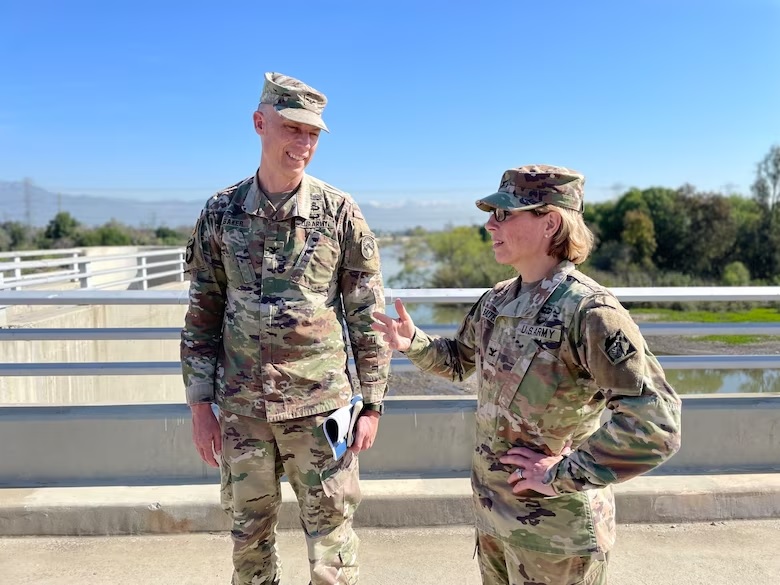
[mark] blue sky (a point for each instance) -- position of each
(428, 100)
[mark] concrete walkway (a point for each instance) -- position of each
(722, 553)
(395, 502)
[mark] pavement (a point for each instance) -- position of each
(388, 502)
(742, 552)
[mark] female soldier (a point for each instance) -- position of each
(552, 350)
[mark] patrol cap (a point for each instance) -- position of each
(532, 186)
(294, 100)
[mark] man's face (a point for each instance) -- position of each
(288, 146)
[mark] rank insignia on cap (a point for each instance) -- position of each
(368, 247)
(618, 348)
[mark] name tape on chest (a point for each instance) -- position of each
(230, 221)
(540, 332)
(489, 314)
(319, 223)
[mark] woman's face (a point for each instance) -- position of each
(522, 239)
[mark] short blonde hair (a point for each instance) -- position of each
(573, 241)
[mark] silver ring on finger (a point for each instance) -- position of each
(519, 472)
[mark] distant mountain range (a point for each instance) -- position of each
(23, 203)
(38, 205)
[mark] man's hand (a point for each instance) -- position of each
(366, 428)
(206, 433)
(398, 333)
(531, 468)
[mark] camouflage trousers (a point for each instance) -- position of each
(501, 564)
(255, 455)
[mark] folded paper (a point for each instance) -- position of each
(339, 427)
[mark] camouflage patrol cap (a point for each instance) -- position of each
(532, 186)
(294, 100)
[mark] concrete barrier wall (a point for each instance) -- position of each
(85, 390)
(140, 444)
(100, 256)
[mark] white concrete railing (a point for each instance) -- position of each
(432, 296)
(90, 268)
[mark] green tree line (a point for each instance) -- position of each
(647, 237)
(65, 231)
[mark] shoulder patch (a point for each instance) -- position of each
(193, 258)
(189, 251)
(368, 247)
(618, 348)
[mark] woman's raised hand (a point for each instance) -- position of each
(398, 333)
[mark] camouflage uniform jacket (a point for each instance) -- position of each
(549, 362)
(270, 289)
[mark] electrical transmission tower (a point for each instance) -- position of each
(27, 184)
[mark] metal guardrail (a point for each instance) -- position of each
(147, 333)
(431, 296)
(670, 294)
(79, 265)
(677, 362)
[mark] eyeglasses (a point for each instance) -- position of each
(503, 214)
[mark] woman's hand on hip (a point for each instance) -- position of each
(530, 469)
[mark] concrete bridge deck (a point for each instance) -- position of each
(721, 553)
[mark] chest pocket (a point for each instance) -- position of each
(238, 265)
(531, 385)
(317, 265)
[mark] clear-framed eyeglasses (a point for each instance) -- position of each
(503, 214)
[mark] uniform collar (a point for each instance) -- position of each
(298, 205)
(527, 305)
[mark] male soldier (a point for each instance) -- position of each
(278, 263)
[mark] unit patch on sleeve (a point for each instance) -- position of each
(188, 253)
(368, 247)
(618, 348)
(190, 250)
